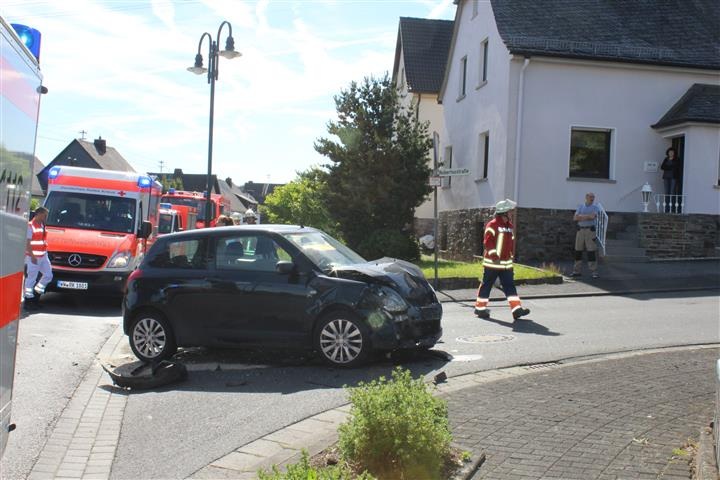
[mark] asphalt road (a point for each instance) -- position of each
(232, 397)
(56, 346)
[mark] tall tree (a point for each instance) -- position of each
(301, 202)
(379, 172)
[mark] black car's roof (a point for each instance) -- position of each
(264, 228)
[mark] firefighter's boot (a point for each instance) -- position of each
(520, 312)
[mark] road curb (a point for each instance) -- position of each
(85, 437)
(318, 432)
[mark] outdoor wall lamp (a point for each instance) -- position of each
(646, 191)
(213, 56)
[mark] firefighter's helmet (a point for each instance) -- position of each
(504, 206)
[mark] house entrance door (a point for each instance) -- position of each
(678, 143)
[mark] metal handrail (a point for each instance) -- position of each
(601, 222)
(670, 203)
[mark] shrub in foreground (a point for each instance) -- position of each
(397, 429)
(304, 471)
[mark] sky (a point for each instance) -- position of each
(117, 69)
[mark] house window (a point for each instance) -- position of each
(590, 153)
(483, 155)
(463, 77)
(447, 163)
(483, 62)
(475, 8)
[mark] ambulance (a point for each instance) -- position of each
(100, 224)
(219, 204)
(20, 90)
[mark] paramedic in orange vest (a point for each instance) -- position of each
(36, 257)
(499, 250)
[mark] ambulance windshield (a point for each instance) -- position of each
(91, 212)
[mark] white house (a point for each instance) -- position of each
(418, 71)
(545, 101)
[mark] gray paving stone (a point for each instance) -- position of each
(614, 419)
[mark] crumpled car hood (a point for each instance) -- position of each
(403, 276)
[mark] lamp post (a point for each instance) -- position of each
(212, 74)
(646, 191)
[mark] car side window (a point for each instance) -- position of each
(185, 254)
(256, 253)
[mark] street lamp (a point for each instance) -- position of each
(646, 192)
(212, 74)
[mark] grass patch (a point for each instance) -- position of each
(456, 269)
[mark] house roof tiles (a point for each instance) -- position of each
(109, 160)
(425, 45)
(701, 103)
(662, 32)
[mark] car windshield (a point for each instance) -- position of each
(165, 224)
(91, 212)
(326, 252)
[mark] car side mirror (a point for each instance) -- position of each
(146, 229)
(284, 267)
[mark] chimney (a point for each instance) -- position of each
(228, 180)
(100, 145)
(178, 173)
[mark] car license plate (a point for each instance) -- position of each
(72, 285)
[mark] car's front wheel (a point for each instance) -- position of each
(151, 337)
(342, 340)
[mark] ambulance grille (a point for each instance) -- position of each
(63, 259)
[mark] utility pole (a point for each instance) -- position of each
(162, 164)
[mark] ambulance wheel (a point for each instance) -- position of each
(151, 337)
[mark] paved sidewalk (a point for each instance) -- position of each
(614, 417)
(84, 439)
(616, 279)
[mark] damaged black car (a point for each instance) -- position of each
(275, 286)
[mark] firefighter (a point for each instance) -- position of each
(499, 250)
(250, 217)
(36, 257)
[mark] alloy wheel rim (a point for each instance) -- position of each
(149, 337)
(341, 341)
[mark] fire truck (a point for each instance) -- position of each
(19, 109)
(176, 218)
(100, 224)
(219, 204)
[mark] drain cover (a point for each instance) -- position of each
(491, 338)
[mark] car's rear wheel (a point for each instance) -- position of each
(342, 340)
(152, 338)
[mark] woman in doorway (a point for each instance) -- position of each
(671, 171)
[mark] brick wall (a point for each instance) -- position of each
(679, 236)
(548, 235)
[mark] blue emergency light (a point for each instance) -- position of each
(54, 172)
(144, 182)
(30, 37)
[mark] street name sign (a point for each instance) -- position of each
(453, 172)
